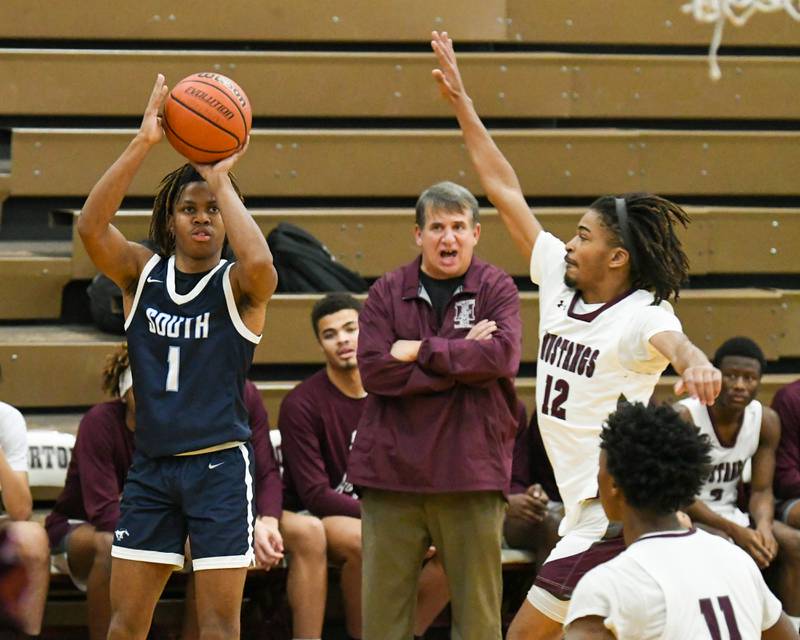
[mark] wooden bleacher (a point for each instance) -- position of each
(367, 240)
(76, 353)
(399, 162)
(505, 85)
(550, 22)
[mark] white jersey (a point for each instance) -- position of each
(13, 437)
(720, 490)
(678, 585)
(586, 362)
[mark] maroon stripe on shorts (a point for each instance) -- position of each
(559, 577)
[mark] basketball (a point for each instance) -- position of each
(207, 117)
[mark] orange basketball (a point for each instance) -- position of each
(207, 117)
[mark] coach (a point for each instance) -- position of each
(439, 346)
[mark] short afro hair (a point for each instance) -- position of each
(659, 460)
(332, 303)
(742, 347)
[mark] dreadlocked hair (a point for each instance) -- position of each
(169, 192)
(116, 363)
(660, 264)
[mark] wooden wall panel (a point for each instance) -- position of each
(626, 22)
(354, 163)
(60, 366)
(253, 20)
(31, 286)
(371, 241)
(331, 84)
(543, 21)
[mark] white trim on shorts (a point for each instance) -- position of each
(248, 558)
(590, 526)
(142, 555)
(546, 603)
(223, 562)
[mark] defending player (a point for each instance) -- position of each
(606, 331)
(670, 583)
(193, 321)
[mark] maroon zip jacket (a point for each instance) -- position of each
(447, 421)
(787, 458)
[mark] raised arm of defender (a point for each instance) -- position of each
(497, 176)
(112, 254)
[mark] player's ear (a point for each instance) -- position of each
(619, 258)
(417, 235)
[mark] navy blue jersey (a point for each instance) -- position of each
(189, 356)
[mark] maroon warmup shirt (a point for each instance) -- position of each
(787, 458)
(100, 460)
(446, 422)
(102, 456)
(531, 464)
(317, 423)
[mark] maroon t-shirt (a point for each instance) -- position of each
(96, 474)
(318, 423)
(102, 456)
(787, 458)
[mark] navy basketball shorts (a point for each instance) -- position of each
(206, 497)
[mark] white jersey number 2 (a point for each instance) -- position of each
(174, 368)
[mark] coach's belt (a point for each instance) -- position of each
(211, 449)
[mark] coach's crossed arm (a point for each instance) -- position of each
(495, 352)
(382, 372)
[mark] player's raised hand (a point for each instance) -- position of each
(150, 130)
(217, 173)
(447, 75)
(703, 382)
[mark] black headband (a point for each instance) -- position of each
(625, 231)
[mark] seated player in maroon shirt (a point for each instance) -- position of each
(318, 421)
(82, 524)
(534, 504)
(786, 404)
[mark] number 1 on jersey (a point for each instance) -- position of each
(174, 368)
(556, 409)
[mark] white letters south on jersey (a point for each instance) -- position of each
(588, 357)
(721, 489)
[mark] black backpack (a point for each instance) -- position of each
(105, 305)
(305, 265)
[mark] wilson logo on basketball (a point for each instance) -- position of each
(227, 83)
